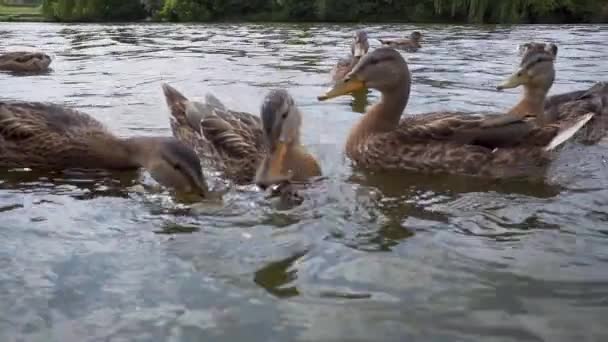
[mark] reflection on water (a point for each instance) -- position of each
(402, 256)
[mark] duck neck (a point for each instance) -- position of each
(385, 115)
(532, 103)
(121, 154)
(382, 117)
(138, 150)
(102, 151)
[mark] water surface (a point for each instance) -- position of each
(364, 258)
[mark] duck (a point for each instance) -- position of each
(441, 142)
(24, 61)
(49, 137)
(358, 48)
(265, 150)
(411, 44)
(536, 74)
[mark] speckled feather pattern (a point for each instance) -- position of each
(572, 105)
(452, 143)
(455, 142)
(48, 136)
(23, 61)
(228, 141)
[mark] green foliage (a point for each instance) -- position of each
(93, 10)
(518, 11)
(472, 11)
(185, 10)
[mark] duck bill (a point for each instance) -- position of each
(513, 81)
(343, 88)
(200, 187)
(270, 171)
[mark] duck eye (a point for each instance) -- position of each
(284, 116)
(177, 166)
(519, 74)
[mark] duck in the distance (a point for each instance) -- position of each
(411, 44)
(358, 48)
(24, 61)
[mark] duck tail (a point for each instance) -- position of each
(213, 101)
(175, 100)
(569, 132)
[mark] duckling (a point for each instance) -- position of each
(411, 44)
(243, 147)
(50, 137)
(358, 48)
(23, 61)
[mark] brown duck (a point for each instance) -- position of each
(49, 137)
(535, 75)
(444, 142)
(411, 44)
(23, 61)
(245, 148)
(358, 48)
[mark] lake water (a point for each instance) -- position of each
(364, 258)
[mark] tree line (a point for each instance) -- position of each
(463, 11)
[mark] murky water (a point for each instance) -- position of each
(364, 258)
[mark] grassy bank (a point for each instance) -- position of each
(21, 13)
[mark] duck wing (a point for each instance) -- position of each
(228, 141)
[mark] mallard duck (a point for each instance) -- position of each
(456, 143)
(23, 61)
(243, 147)
(411, 44)
(50, 137)
(536, 74)
(358, 48)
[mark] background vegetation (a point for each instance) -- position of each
(93, 10)
(472, 11)
(20, 13)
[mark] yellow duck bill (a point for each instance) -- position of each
(271, 171)
(513, 81)
(342, 88)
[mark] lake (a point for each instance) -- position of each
(366, 257)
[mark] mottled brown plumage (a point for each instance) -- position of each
(411, 44)
(245, 148)
(455, 143)
(23, 61)
(536, 74)
(50, 137)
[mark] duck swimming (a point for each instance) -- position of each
(23, 61)
(536, 75)
(442, 142)
(50, 137)
(358, 48)
(411, 44)
(245, 148)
